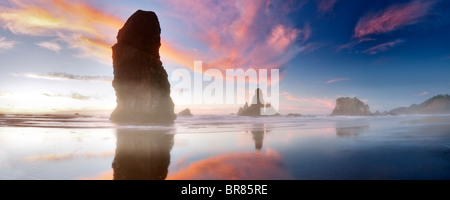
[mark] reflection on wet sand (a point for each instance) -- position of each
(352, 131)
(259, 165)
(142, 154)
(258, 135)
(236, 166)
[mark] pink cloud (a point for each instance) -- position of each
(392, 18)
(421, 94)
(79, 25)
(324, 6)
(240, 34)
(382, 47)
(337, 80)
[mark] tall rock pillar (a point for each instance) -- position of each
(140, 81)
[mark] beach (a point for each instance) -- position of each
(220, 147)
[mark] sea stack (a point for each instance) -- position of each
(351, 107)
(140, 80)
(254, 110)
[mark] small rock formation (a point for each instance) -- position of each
(378, 113)
(439, 104)
(140, 81)
(185, 113)
(255, 108)
(350, 107)
(293, 115)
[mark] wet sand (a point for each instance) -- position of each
(226, 147)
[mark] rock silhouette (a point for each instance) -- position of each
(140, 81)
(185, 113)
(351, 107)
(255, 108)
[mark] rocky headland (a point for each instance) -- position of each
(439, 104)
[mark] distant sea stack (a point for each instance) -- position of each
(439, 104)
(140, 81)
(185, 113)
(347, 106)
(254, 109)
(293, 115)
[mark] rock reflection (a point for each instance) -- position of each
(352, 131)
(142, 154)
(258, 133)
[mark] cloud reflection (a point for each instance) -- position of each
(236, 166)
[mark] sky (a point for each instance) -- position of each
(55, 55)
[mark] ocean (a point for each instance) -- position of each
(69, 147)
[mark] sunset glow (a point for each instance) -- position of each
(38, 38)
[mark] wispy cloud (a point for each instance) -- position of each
(350, 46)
(337, 80)
(79, 25)
(50, 45)
(67, 76)
(73, 95)
(311, 105)
(383, 47)
(421, 94)
(393, 18)
(325, 6)
(6, 44)
(5, 93)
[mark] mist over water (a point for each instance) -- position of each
(226, 147)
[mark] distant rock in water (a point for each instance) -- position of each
(140, 81)
(255, 108)
(439, 104)
(185, 113)
(378, 113)
(351, 107)
(293, 115)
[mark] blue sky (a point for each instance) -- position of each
(55, 55)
